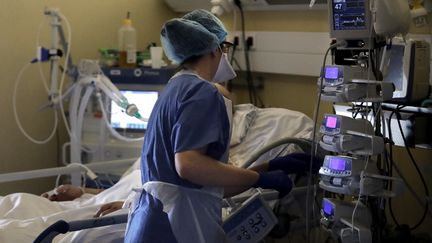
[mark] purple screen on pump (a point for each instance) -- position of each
(327, 207)
(331, 72)
(331, 122)
(337, 164)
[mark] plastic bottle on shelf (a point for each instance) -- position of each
(127, 43)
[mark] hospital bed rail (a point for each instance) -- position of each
(62, 227)
(71, 168)
(306, 145)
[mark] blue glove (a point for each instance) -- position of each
(276, 180)
(295, 163)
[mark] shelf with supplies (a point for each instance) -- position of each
(140, 75)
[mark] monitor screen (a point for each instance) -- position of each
(331, 72)
(349, 15)
(144, 100)
(331, 122)
(337, 164)
(328, 207)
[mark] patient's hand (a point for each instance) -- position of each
(108, 208)
(64, 193)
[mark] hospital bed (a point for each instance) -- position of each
(259, 129)
(63, 227)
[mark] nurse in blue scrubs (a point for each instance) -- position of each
(184, 158)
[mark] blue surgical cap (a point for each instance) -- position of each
(196, 33)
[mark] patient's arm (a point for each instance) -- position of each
(108, 208)
(69, 192)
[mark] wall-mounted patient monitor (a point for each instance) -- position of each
(144, 100)
(350, 20)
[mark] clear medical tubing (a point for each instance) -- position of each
(74, 136)
(60, 94)
(18, 80)
(112, 92)
(112, 130)
(17, 120)
(81, 111)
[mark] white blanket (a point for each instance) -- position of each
(269, 125)
(24, 216)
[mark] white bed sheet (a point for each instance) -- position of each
(268, 126)
(25, 216)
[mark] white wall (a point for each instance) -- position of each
(94, 25)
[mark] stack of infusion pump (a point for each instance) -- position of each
(360, 29)
(352, 171)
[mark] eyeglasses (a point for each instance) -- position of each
(225, 46)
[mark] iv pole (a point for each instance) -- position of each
(53, 95)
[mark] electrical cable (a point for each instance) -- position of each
(403, 177)
(253, 95)
(234, 26)
(391, 166)
(358, 200)
(314, 144)
(243, 40)
(417, 169)
(357, 110)
(232, 59)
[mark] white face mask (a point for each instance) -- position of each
(225, 71)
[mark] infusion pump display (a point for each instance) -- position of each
(144, 100)
(339, 166)
(349, 14)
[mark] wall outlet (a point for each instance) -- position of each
(236, 38)
(251, 41)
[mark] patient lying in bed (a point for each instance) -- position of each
(24, 216)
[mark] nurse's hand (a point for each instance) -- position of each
(276, 180)
(295, 163)
(108, 208)
(64, 193)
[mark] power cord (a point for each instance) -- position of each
(253, 95)
(314, 144)
(413, 162)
